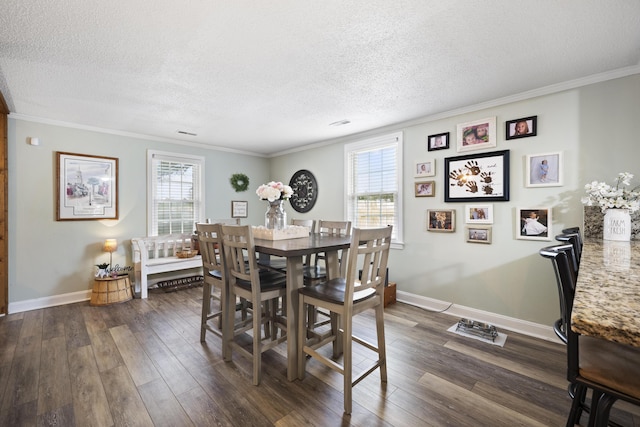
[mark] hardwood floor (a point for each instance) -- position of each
(141, 363)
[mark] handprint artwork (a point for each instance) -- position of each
(480, 176)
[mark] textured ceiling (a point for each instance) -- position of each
(269, 76)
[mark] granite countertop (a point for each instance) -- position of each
(607, 299)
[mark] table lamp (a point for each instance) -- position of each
(110, 245)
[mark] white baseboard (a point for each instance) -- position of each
(44, 302)
(524, 327)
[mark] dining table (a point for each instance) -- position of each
(294, 250)
(607, 298)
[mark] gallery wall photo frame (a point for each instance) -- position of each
(521, 128)
(479, 178)
(87, 187)
(478, 234)
(442, 220)
(425, 189)
(239, 208)
(425, 168)
(478, 214)
(544, 170)
(439, 141)
(476, 135)
(534, 223)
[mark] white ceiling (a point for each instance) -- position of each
(269, 76)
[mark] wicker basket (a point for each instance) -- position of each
(109, 290)
(189, 253)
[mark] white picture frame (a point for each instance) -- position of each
(534, 223)
(425, 168)
(478, 214)
(476, 135)
(544, 170)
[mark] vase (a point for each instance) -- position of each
(617, 225)
(276, 218)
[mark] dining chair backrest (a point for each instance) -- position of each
(367, 260)
(227, 221)
(340, 228)
(240, 255)
(570, 235)
(210, 241)
(561, 259)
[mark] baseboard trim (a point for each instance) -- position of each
(52, 301)
(524, 327)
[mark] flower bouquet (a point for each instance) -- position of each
(608, 197)
(274, 191)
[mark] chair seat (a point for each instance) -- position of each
(334, 291)
(610, 364)
(268, 280)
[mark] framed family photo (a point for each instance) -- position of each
(477, 177)
(239, 208)
(477, 135)
(425, 168)
(543, 170)
(521, 128)
(425, 189)
(478, 214)
(478, 234)
(533, 223)
(438, 141)
(87, 187)
(441, 220)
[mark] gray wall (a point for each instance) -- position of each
(592, 125)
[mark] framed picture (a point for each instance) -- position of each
(441, 220)
(426, 168)
(478, 214)
(478, 234)
(439, 141)
(544, 170)
(476, 135)
(87, 187)
(477, 177)
(521, 128)
(533, 223)
(239, 209)
(425, 189)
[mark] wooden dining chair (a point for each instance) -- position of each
(262, 288)
(610, 370)
(346, 297)
(209, 239)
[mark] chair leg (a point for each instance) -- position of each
(206, 308)
(595, 406)
(347, 361)
(576, 405)
(257, 342)
(604, 408)
(382, 350)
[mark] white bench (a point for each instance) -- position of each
(154, 255)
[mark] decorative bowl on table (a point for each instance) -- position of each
(187, 253)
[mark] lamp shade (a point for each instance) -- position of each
(110, 245)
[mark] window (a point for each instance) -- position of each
(175, 186)
(374, 183)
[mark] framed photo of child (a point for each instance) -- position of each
(441, 220)
(425, 168)
(521, 128)
(438, 141)
(533, 223)
(478, 234)
(543, 170)
(477, 135)
(478, 214)
(425, 189)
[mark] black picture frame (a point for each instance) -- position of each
(432, 140)
(480, 177)
(531, 127)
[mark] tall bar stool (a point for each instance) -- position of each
(345, 297)
(609, 369)
(261, 288)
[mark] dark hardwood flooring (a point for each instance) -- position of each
(142, 363)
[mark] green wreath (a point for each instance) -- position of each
(239, 182)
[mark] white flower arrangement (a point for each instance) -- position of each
(272, 191)
(607, 197)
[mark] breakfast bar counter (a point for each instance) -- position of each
(607, 299)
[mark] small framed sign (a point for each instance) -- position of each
(239, 209)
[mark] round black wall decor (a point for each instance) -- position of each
(305, 190)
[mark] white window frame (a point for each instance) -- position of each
(198, 195)
(378, 142)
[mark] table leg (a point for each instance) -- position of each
(294, 282)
